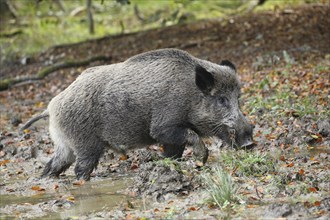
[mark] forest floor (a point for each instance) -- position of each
(283, 59)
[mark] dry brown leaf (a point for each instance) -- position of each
(290, 164)
(123, 157)
(282, 158)
(312, 189)
(4, 162)
(37, 188)
(79, 183)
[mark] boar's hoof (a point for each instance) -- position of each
(201, 153)
(54, 169)
(172, 151)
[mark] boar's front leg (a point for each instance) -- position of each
(175, 138)
(172, 138)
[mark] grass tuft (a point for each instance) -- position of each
(221, 187)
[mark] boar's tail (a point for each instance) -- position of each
(45, 114)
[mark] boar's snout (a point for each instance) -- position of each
(244, 135)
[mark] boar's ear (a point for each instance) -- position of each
(204, 79)
(229, 64)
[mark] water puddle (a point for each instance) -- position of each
(94, 196)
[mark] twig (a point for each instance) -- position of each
(7, 83)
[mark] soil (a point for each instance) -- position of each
(142, 185)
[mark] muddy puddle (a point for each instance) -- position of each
(71, 201)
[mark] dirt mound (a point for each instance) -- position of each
(162, 177)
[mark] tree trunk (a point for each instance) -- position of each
(90, 16)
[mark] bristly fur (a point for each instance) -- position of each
(165, 96)
(229, 64)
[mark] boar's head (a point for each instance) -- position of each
(216, 111)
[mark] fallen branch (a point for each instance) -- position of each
(11, 34)
(7, 83)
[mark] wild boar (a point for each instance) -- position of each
(164, 96)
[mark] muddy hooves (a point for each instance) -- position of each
(156, 179)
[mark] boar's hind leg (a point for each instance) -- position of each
(62, 160)
(88, 158)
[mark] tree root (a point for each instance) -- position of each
(7, 83)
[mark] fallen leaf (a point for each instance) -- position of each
(79, 183)
(40, 104)
(270, 136)
(251, 206)
(301, 172)
(312, 189)
(290, 164)
(193, 208)
(71, 199)
(317, 203)
(282, 158)
(4, 162)
(37, 188)
(123, 157)
(26, 131)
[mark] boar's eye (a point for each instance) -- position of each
(223, 101)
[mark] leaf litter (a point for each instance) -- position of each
(286, 93)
